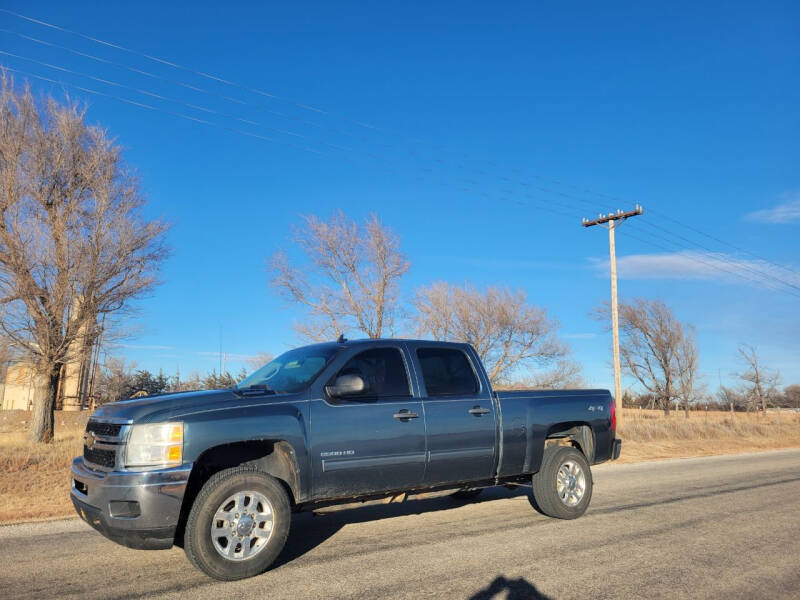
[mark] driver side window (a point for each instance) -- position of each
(383, 371)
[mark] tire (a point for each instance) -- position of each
(563, 486)
(466, 493)
(235, 549)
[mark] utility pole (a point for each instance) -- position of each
(611, 219)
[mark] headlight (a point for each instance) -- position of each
(155, 444)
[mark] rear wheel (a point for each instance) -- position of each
(238, 524)
(563, 486)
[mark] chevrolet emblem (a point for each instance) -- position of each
(89, 439)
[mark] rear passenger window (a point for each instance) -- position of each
(446, 372)
(382, 370)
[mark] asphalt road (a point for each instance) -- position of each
(723, 527)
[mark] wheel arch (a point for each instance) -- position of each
(274, 457)
(577, 434)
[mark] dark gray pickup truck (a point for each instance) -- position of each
(219, 472)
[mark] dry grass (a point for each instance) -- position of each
(648, 435)
(34, 480)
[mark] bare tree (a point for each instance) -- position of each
(656, 349)
(731, 397)
(114, 380)
(186, 383)
(689, 388)
(508, 333)
(564, 374)
(762, 383)
(350, 278)
(792, 395)
(259, 360)
(74, 244)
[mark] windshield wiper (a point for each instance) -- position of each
(255, 389)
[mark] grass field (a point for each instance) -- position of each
(34, 480)
(648, 435)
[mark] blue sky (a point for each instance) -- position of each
(480, 133)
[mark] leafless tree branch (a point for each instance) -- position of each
(74, 244)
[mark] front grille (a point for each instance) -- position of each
(97, 456)
(106, 429)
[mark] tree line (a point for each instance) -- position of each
(119, 380)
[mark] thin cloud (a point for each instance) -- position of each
(143, 347)
(507, 264)
(227, 355)
(699, 266)
(785, 213)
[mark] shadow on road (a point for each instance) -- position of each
(309, 530)
(517, 589)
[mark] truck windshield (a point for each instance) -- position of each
(292, 371)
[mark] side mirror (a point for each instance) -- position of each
(346, 385)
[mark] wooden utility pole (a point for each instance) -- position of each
(611, 219)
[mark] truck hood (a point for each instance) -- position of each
(153, 409)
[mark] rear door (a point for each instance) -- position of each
(372, 441)
(460, 416)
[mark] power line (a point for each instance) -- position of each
(319, 110)
(723, 258)
(720, 241)
(712, 265)
(173, 100)
(180, 83)
(251, 89)
(540, 204)
(238, 101)
(304, 106)
(207, 110)
(694, 258)
(161, 110)
(180, 67)
(305, 148)
(546, 207)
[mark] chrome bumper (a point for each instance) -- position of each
(138, 509)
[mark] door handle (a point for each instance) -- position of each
(405, 414)
(478, 411)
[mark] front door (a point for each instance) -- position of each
(460, 417)
(372, 441)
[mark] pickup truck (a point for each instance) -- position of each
(220, 472)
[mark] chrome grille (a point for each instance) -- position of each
(102, 443)
(104, 429)
(100, 457)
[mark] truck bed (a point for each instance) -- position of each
(521, 446)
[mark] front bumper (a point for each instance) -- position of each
(616, 449)
(136, 509)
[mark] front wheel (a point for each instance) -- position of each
(563, 486)
(238, 524)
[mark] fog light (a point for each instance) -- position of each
(125, 509)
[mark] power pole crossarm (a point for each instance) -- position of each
(611, 219)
